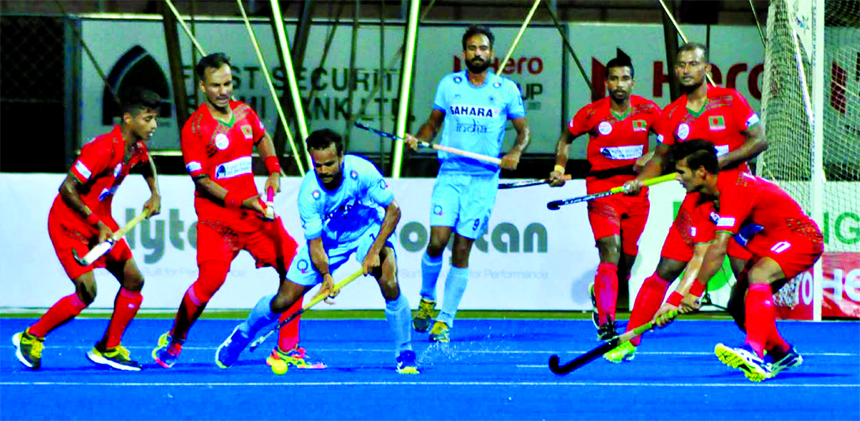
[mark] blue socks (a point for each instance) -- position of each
(430, 268)
(399, 316)
(455, 286)
(260, 317)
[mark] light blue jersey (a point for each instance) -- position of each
(475, 119)
(343, 216)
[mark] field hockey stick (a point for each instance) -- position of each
(100, 249)
(556, 204)
(270, 203)
(602, 349)
(527, 183)
(437, 147)
(259, 341)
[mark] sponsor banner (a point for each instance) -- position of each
(529, 258)
(841, 285)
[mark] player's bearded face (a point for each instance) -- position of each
(327, 165)
(478, 53)
(218, 87)
(619, 83)
(691, 68)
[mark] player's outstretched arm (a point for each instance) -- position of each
(653, 168)
(754, 144)
(524, 136)
(389, 223)
(150, 174)
(428, 130)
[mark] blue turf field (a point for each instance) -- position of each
(494, 369)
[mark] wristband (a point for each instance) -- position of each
(559, 168)
(273, 165)
(231, 201)
(93, 219)
(697, 288)
(675, 299)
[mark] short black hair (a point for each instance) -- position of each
(136, 99)
(214, 61)
(473, 30)
(692, 46)
(620, 62)
(322, 139)
(699, 153)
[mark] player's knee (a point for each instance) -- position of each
(389, 287)
(670, 269)
(436, 246)
(133, 282)
(212, 276)
(282, 302)
(86, 290)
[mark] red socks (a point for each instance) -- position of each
(64, 310)
(648, 301)
(124, 309)
(606, 290)
(212, 276)
(288, 336)
(761, 320)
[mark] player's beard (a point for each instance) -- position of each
(477, 68)
(692, 88)
(619, 100)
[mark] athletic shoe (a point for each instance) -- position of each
(118, 358)
(745, 359)
(440, 332)
(167, 351)
(422, 321)
(406, 362)
(28, 349)
(595, 316)
(621, 354)
(228, 353)
(779, 361)
(606, 331)
(296, 357)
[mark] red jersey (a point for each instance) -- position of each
(614, 140)
(695, 220)
(725, 115)
(101, 168)
(749, 199)
(222, 151)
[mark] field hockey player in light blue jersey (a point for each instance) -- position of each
(471, 109)
(346, 208)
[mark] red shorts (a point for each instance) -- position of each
(68, 234)
(267, 241)
(614, 215)
(681, 249)
(793, 252)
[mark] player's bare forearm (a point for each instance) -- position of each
(693, 268)
(210, 189)
(389, 223)
(72, 197)
(266, 147)
(524, 135)
(654, 166)
(562, 148)
(319, 258)
(431, 127)
(714, 257)
(150, 174)
(754, 144)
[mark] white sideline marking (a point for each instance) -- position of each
(414, 383)
(472, 351)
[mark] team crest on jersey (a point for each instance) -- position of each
(604, 128)
(303, 266)
(497, 85)
(437, 210)
(117, 170)
(640, 125)
(316, 194)
(353, 175)
(457, 79)
(716, 122)
(221, 141)
(246, 130)
(683, 130)
(383, 185)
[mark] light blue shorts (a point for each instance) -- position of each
(463, 202)
(303, 272)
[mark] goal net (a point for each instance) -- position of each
(791, 110)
